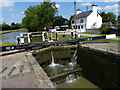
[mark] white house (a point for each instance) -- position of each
(86, 20)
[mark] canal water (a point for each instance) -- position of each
(68, 67)
(61, 65)
(10, 37)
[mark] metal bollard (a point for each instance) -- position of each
(22, 38)
(17, 40)
(43, 36)
(78, 35)
(29, 38)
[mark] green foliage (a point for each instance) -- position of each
(13, 26)
(69, 22)
(108, 17)
(118, 27)
(12, 23)
(59, 20)
(5, 26)
(4, 43)
(118, 19)
(105, 30)
(40, 16)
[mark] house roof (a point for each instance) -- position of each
(83, 15)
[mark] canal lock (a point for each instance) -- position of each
(60, 64)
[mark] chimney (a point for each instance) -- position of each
(94, 6)
(78, 11)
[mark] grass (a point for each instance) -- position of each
(7, 31)
(92, 33)
(4, 43)
(103, 40)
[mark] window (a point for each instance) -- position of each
(97, 15)
(81, 21)
(74, 27)
(78, 27)
(81, 26)
(72, 21)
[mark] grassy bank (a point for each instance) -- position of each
(103, 40)
(7, 31)
(4, 43)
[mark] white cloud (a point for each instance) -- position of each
(57, 5)
(12, 14)
(111, 0)
(22, 12)
(6, 3)
(1, 19)
(110, 8)
(10, 9)
(86, 4)
(11, 21)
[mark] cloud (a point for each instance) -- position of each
(12, 21)
(10, 9)
(111, 0)
(6, 3)
(22, 12)
(1, 19)
(110, 8)
(86, 4)
(13, 16)
(57, 5)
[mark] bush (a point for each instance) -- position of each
(118, 27)
(5, 27)
(13, 26)
(105, 30)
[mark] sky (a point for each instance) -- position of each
(13, 10)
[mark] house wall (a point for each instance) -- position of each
(94, 20)
(79, 25)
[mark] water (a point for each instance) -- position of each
(62, 68)
(53, 65)
(10, 37)
(84, 68)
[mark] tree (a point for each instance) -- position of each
(39, 16)
(59, 20)
(69, 22)
(18, 26)
(5, 26)
(12, 23)
(109, 17)
(118, 19)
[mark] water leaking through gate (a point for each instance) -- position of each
(62, 67)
